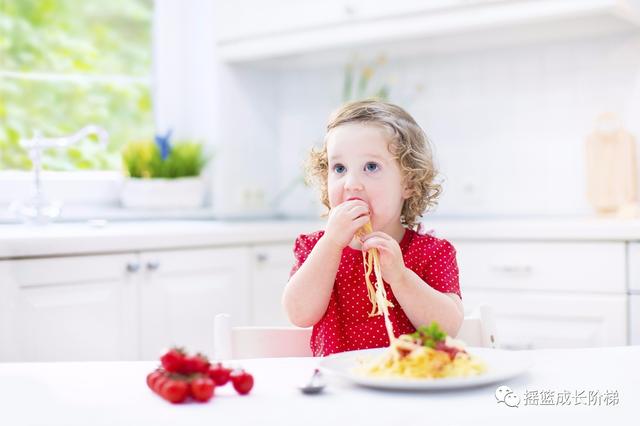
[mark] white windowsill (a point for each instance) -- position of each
(84, 196)
(90, 187)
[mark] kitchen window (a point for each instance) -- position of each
(65, 64)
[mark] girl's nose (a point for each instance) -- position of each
(352, 182)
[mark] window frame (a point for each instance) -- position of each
(86, 190)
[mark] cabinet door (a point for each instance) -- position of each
(633, 258)
(533, 320)
(241, 19)
(367, 9)
(597, 267)
(79, 308)
(6, 308)
(182, 291)
(270, 273)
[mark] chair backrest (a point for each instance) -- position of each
(478, 329)
(258, 342)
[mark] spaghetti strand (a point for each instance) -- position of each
(377, 294)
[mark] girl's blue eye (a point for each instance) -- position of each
(339, 168)
(371, 167)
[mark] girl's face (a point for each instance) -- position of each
(361, 166)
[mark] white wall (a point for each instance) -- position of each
(229, 108)
(508, 124)
(185, 70)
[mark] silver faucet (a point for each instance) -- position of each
(38, 209)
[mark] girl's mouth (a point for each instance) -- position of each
(360, 199)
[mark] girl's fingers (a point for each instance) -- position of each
(359, 222)
(378, 234)
(380, 241)
(358, 211)
(385, 249)
(375, 242)
(354, 204)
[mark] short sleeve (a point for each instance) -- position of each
(302, 247)
(440, 269)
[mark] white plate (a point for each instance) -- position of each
(501, 366)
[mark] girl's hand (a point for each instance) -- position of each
(344, 220)
(391, 261)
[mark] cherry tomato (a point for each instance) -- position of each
(242, 381)
(175, 391)
(152, 377)
(195, 364)
(173, 360)
(159, 382)
(219, 374)
(202, 388)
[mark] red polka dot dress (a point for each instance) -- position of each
(346, 324)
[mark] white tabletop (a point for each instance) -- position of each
(116, 394)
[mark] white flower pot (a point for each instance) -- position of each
(181, 193)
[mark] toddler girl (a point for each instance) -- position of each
(375, 166)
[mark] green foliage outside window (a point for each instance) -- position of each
(68, 63)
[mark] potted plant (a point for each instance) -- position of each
(163, 175)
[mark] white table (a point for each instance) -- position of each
(116, 394)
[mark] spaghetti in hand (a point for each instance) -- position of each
(377, 294)
(426, 354)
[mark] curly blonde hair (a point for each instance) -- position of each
(407, 143)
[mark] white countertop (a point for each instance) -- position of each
(547, 229)
(84, 237)
(116, 394)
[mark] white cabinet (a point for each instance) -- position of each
(634, 293)
(534, 320)
(250, 30)
(242, 19)
(181, 291)
(132, 305)
(270, 273)
(6, 322)
(245, 19)
(121, 306)
(548, 294)
(73, 308)
(597, 267)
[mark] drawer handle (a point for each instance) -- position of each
(262, 257)
(517, 346)
(513, 269)
(133, 267)
(349, 10)
(153, 265)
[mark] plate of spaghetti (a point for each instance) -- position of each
(426, 360)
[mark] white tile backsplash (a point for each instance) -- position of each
(508, 124)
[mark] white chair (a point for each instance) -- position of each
(258, 342)
(478, 329)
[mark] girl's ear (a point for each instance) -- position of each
(406, 192)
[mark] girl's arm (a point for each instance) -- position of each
(307, 294)
(421, 302)
(424, 304)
